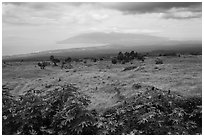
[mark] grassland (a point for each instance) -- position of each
(105, 83)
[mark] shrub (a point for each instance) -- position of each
(60, 111)
(42, 65)
(54, 60)
(158, 61)
(64, 111)
(76, 60)
(123, 62)
(128, 56)
(153, 113)
(140, 57)
(120, 56)
(114, 61)
(94, 59)
(136, 86)
(68, 59)
(129, 68)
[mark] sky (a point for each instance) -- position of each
(31, 27)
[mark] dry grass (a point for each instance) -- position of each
(99, 79)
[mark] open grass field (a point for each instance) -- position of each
(105, 83)
(102, 98)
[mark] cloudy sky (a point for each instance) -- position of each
(32, 27)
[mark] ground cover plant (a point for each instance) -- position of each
(63, 110)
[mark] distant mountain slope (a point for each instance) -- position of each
(108, 50)
(114, 38)
(112, 44)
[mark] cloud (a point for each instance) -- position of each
(122, 30)
(88, 13)
(181, 13)
(168, 10)
(25, 14)
(33, 5)
(151, 7)
(36, 13)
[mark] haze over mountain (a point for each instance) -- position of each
(106, 44)
(123, 39)
(113, 38)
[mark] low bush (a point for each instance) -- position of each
(128, 56)
(114, 61)
(136, 86)
(68, 60)
(63, 111)
(129, 68)
(158, 61)
(154, 113)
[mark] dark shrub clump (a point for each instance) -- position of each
(114, 61)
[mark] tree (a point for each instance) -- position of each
(62, 64)
(52, 57)
(114, 61)
(132, 55)
(42, 65)
(94, 59)
(120, 56)
(68, 59)
(135, 55)
(54, 60)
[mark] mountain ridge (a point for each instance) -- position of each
(112, 38)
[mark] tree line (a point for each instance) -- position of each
(127, 57)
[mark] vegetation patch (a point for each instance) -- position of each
(64, 111)
(129, 68)
(60, 111)
(159, 61)
(155, 112)
(136, 86)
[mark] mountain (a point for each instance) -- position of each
(114, 38)
(112, 44)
